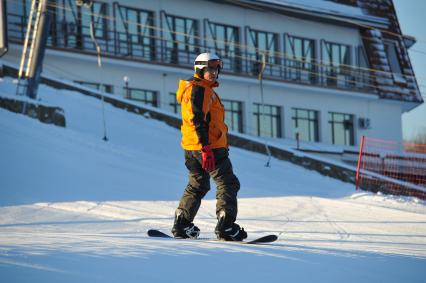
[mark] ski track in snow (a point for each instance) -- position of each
(76, 209)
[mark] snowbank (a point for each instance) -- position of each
(74, 208)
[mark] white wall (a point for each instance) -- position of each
(385, 116)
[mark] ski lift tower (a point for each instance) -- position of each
(3, 28)
(34, 47)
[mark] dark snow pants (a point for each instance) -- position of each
(199, 184)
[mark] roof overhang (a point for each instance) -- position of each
(309, 14)
(409, 40)
(406, 106)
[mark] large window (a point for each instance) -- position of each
(363, 74)
(181, 39)
(71, 25)
(17, 15)
(267, 120)
(66, 26)
(146, 96)
(306, 122)
(261, 43)
(336, 59)
(391, 53)
(362, 60)
(102, 87)
(342, 128)
(174, 105)
(300, 58)
(233, 115)
(224, 41)
(97, 14)
(134, 32)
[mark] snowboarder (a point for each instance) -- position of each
(205, 144)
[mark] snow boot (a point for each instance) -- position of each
(228, 231)
(182, 228)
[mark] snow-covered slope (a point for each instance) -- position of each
(74, 208)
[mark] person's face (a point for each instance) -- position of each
(210, 74)
(212, 70)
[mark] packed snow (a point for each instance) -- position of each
(74, 208)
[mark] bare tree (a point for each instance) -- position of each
(418, 143)
(420, 137)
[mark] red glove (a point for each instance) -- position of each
(208, 162)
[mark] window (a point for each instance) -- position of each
(336, 59)
(98, 14)
(135, 32)
(336, 54)
(267, 120)
(306, 121)
(342, 128)
(17, 15)
(362, 57)
(392, 55)
(67, 25)
(224, 41)
(233, 115)
(18, 8)
(181, 39)
(363, 74)
(104, 87)
(300, 58)
(259, 43)
(146, 96)
(174, 105)
(71, 26)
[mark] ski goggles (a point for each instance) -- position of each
(214, 66)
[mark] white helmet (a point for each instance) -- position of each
(205, 59)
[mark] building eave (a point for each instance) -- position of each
(409, 40)
(406, 106)
(322, 16)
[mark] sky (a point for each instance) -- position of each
(412, 21)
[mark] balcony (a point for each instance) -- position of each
(157, 50)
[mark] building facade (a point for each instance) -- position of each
(335, 70)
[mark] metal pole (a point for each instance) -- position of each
(262, 116)
(126, 86)
(298, 140)
(361, 147)
(127, 90)
(38, 47)
(27, 39)
(98, 50)
(3, 28)
(35, 34)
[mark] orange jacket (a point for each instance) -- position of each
(202, 115)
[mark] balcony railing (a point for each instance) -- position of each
(156, 50)
(301, 72)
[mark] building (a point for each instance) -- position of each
(335, 69)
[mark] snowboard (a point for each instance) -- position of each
(262, 240)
